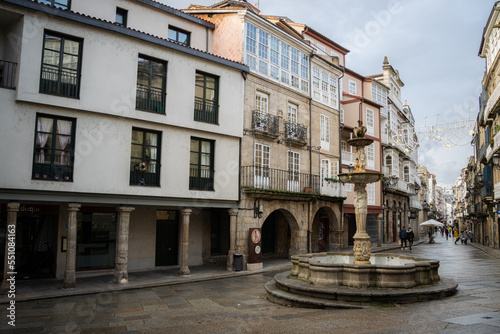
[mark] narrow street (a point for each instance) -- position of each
(239, 305)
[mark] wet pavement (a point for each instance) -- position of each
(238, 304)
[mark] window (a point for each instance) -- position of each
(121, 16)
(262, 164)
(370, 155)
(61, 65)
(379, 95)
(179, 36)
(370, 122)
(388, 166)
(201, 171)
(63, 4)
(262, 103)
(206, 107)
(145, 158)
(151, 82)
(325, 132)
(406, 173)
(352, 87)
(275, 59)
(54, 146)
(95, 240)
(292, 113)
(293, 171)
(370, 189)
(324, 87)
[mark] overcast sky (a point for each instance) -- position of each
(434, 45)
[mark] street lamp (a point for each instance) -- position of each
(496, 161)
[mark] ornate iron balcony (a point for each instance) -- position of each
(296, 131)
(265, 123)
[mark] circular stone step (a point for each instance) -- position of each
(287, 291)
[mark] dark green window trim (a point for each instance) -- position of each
(151, 84)
(63, 4)
(61, 65)
(206, 100)
(201, 167)
(54, 146)
(145, 157)
(179, 35)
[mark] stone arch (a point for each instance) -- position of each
(325, 230)
(281, 235)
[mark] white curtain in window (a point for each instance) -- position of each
(153, 142)
(44, 125)
(64, 131)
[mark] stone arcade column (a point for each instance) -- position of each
(380, 218)
(184, 270)
(12, 210)
(233, 214)
(121, 256)
(69, 274)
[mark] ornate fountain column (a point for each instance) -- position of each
(360, 177)
(362, 244)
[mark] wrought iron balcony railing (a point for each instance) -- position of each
(7, 74)
(206, 111)
(279, 180)
(150, 99)
(296, 131)
(265, 123)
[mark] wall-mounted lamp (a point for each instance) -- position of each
(496, 161)
(258, 209)
(351, 168)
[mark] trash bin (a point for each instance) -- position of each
(237, 262)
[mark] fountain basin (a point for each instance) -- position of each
(360, 177)
(385, 271)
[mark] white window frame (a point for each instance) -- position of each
(261, 106)
(370, 156)
(370, 122)
(293, 168)
(293, 113)
(352, 87)
(370, 189)
(262, 169)
(325, 132)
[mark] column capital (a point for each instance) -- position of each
(233, 212)
(124, 208)
(74, 206)
(13, 206)
(186, 211)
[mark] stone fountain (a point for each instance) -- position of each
(340, 280)
(360, 178)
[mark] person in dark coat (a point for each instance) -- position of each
(411, 236)
(403, 235)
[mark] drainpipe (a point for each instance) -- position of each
(341, 128)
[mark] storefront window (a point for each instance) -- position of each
(96, 239)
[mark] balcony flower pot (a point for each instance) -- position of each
(308, 189)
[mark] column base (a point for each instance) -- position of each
(121, 277)
(69, 280)
(361, 249)
(184, 272)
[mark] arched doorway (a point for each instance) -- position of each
(323, 232)
(278, 235)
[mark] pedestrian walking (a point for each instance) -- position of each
(410, 235)
(456, 235)
(446, 232)
(403, 236)
(464, 236)
(471, 235)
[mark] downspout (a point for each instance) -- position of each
(310, 155)
(341, 128)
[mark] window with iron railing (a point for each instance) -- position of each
(54, 148)
(151, 83)
(206, 108)
(201, 167)
(61, 65)
(145, 158)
